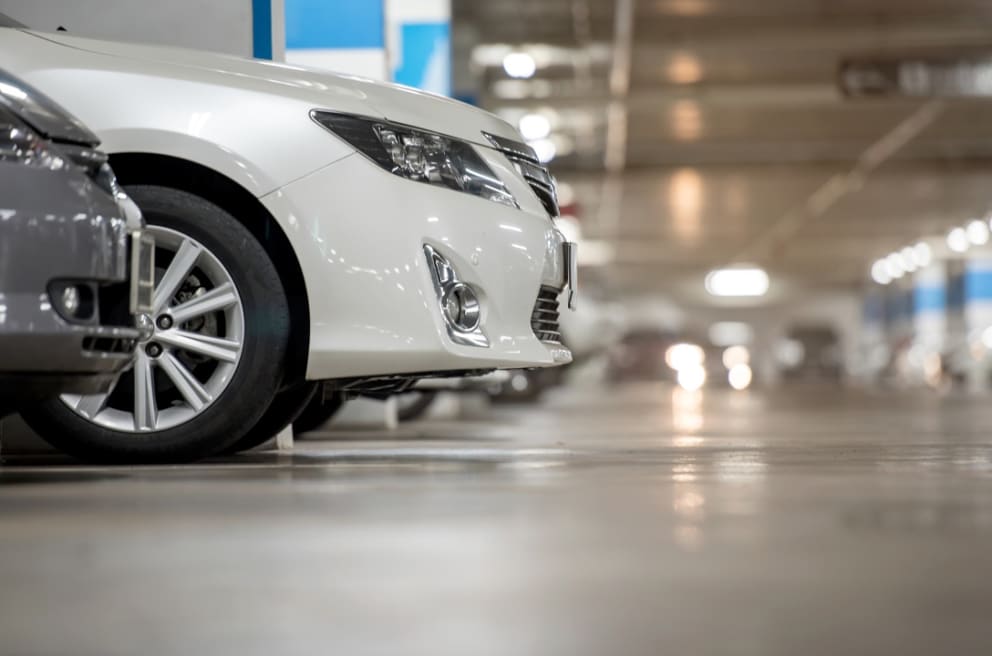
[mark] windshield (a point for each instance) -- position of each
(7, 21)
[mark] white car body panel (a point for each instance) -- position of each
(358, 231)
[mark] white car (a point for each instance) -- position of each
(310, 227)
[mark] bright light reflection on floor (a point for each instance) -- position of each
(687, 410)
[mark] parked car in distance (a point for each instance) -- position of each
(67, 235)
(311, 229)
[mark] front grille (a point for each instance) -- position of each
(525, 160)
(544, 319)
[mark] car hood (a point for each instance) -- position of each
(42, 113)
(390, 101)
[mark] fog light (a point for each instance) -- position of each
(461, 307)
(458, 302)
(75, 302)
(70, 300)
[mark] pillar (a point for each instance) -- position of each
(978, 315)
(345, 36)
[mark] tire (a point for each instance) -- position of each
(285, 408)
(317, 413)
(229, 330)
(413, 405)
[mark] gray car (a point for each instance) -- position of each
(69, 240)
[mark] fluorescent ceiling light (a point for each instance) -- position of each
(519, 65)
(923, 254)
(907, 257)
(534, 126)
(737, 281)
(957, 240)
(893, 264)
(978, 232)
(880, 272)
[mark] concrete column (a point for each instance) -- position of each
(345, 36)
(872, 349)
(898, 312)
(873, 317)
(237, 27)
(978, 313)
(418, 40)
(930, 307)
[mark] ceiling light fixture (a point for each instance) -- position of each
(957, 240)
(880, 272)
(534, 126)
(519, 65)
(907, 257)
(893, 264)
(739, 281)
(978, 232)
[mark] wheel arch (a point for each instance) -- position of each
(167, 171)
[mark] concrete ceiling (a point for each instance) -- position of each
(726, 137)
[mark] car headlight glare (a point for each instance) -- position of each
(22, 145)
(418, 155)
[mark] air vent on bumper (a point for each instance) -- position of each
(544, 319)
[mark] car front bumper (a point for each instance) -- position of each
(359, 233)
(72, 233)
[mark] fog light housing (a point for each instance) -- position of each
(74, 301)
(459, 303)
(461, 307)
(70, 299)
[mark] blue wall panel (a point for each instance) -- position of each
(261, 29)
(335, 24)
(929, 298)
(425, 57)
(978, 284)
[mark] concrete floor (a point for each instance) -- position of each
(633, 521)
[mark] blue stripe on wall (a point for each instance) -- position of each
(929, 298)
(426, 57)
(335, 24)
(977, 285)
(261, 29)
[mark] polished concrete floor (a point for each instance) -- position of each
(624, 521)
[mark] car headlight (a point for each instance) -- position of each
(22, 145)
(418, 155)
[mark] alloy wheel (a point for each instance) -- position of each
(189, 346)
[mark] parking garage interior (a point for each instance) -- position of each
(773, 437)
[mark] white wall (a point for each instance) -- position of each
(218, 25)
